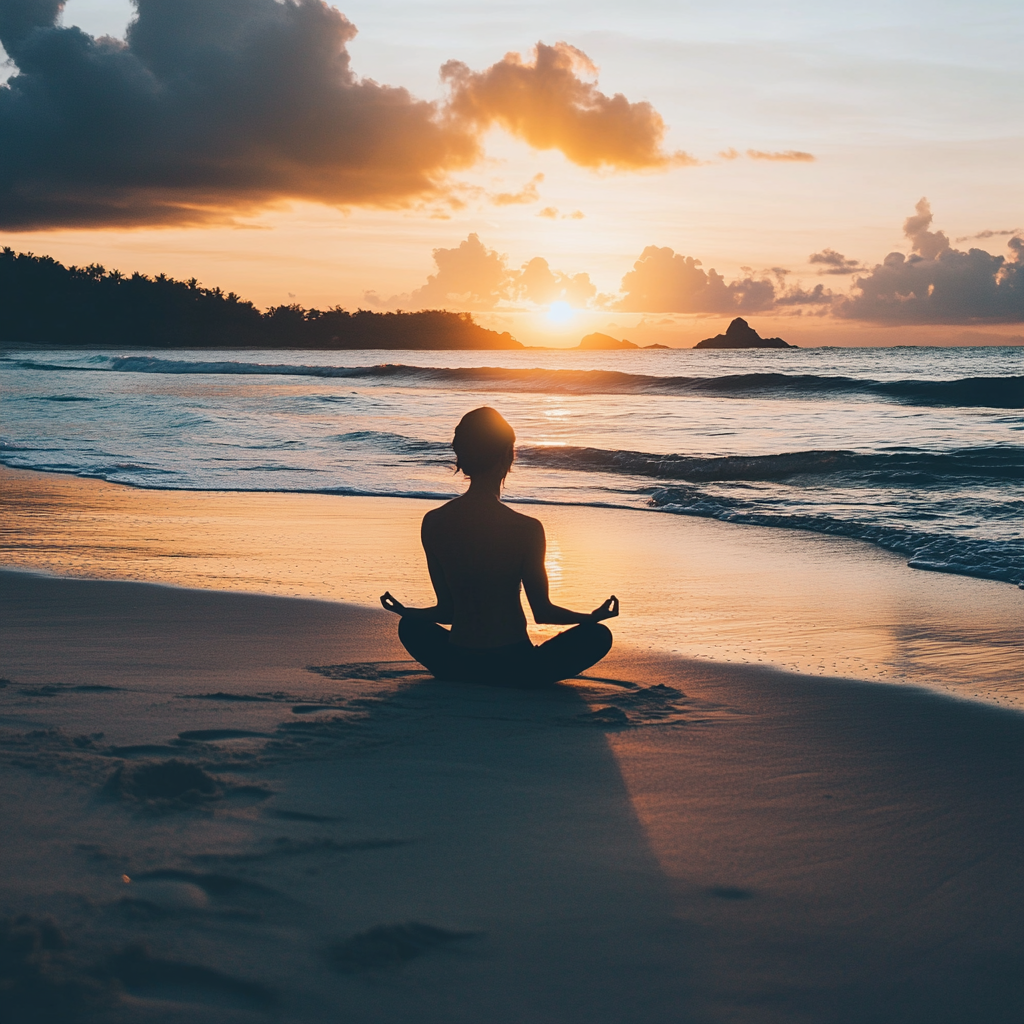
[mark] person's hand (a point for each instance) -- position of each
(607, 611)
(391, 604)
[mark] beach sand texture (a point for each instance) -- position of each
(242, 807)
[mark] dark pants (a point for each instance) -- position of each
(521, 664)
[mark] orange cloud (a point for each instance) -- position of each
(208, 109)
(793, 155)
(548, 104)
(551, 212)
(537, 283)
(528, 193)
(663, 281)
(472, 277)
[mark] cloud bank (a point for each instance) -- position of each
(214, 107)
(663, 281)
(937, 283)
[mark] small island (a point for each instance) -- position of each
(741, 335)
(598, 342)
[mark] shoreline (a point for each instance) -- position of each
(721, 592)
(914, 561)
(734, 844)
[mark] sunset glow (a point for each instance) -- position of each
(560, 312)
(516, 163)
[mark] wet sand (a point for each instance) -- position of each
(698, 588)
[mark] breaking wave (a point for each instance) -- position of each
(909, 467)
(983, 392)
(984, 559)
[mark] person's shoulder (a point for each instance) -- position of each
(437, 517)
(526, 523)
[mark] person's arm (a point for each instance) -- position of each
(535, 583)
(443, 608)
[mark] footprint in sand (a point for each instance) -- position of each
(392, 945)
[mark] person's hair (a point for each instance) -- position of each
(482, 440)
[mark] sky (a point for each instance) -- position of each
(836, 174)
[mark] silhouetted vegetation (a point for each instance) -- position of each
(42, 302)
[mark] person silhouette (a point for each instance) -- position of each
(479, 553)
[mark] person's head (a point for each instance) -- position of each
(483, 442)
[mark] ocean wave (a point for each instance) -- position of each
(984, 392)
(1002, 561)
(905, 466)
(61, 398)
(397, 444)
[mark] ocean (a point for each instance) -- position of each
(917, 450)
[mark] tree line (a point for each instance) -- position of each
(42, 302)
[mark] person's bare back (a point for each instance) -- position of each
(480, 554)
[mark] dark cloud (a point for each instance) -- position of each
(208, 106)
(927, 244)
(548, 104)
(819, 295)
(834, 262)
(937, 283)
(989, 233)
(214, 107)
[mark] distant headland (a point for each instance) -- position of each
(598, 342)
(741, 335)
(44, 303)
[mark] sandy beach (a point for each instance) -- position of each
(240, 807)
(719, 592)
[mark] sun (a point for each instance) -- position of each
(560, 312)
